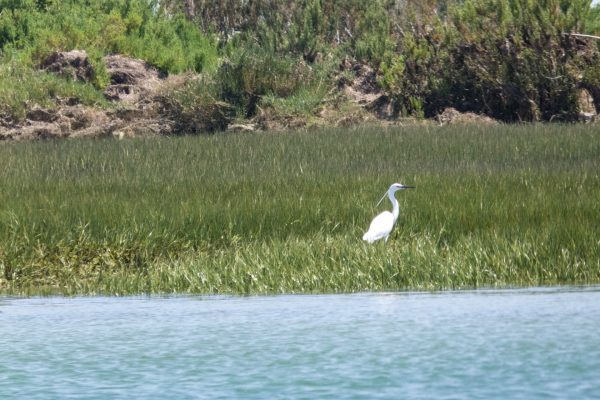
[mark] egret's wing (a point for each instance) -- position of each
(380, 227)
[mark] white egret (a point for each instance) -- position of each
(382, 225)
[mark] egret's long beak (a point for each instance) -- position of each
(408, 187)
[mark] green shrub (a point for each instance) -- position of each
(194, 107)
(374, 42)
(308, 30)
(254, 72)
(130, 27)
(511, 60)
(507, 59)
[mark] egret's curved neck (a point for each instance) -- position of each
(395, 206)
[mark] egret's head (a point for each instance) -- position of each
(393, 189)
(398, 186)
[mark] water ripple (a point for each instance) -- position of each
(535, 343)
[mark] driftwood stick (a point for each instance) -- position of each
(582, 35)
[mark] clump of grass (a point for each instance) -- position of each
(302, 103)
(313, 84)
(269, 213)
(22, 87)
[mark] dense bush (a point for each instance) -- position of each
(518, 65)
(510, 60)
(251, 73)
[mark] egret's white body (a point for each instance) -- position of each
(382, 225)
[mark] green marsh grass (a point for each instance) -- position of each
(285, 212)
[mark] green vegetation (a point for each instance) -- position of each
(593, 20)
(21, 87)
(271, 213)
(34, 29)
(511, 60)
(284, 213)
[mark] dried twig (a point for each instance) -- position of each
(581, 35)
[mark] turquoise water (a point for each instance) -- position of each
(534, 343)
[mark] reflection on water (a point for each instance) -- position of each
(534, 343)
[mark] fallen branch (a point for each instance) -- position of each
(582, 35)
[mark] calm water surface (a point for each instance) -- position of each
(528, 344)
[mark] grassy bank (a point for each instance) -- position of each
(287, 63)
(276, 213)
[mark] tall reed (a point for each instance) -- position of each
(284, 212)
